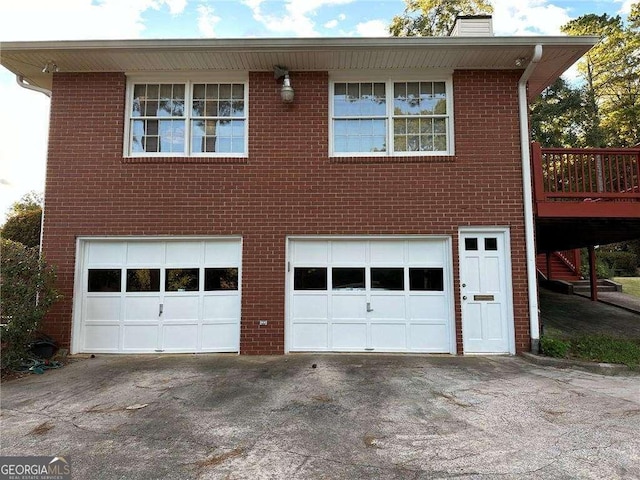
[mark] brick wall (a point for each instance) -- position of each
(287, 186)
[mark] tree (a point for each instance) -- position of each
(611, 81)
(558, 116)
(24, 222)
(28, 202)
(24, 227)
(434, 17)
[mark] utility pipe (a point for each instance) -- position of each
(534, 320)
(20, 81)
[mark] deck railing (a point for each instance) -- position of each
(571, 259)
(586, 174)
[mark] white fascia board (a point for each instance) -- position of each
(307, 44)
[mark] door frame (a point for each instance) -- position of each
(506, 235)
(78, 286)
(448, 273)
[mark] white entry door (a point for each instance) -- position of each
(378, 294)
(485, 284)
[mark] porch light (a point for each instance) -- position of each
(286, 92)
(50, 67)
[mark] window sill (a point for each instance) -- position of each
(396, 159)
(164, 160)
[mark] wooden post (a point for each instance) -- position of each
(548, 265)
(593, 276)
(577, 261)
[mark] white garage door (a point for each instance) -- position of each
(383, 295)
(158, 296)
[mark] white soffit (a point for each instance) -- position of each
(309, 54)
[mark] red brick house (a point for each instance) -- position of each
(192, 207)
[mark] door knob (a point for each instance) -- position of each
(464, 297)
(464, 284)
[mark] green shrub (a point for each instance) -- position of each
(24, 227)
(553, 347)
(27, 286)
(603, 269)
(623, 264)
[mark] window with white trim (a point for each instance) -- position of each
(187, 119)
(391, 118)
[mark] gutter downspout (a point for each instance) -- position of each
(20, 81)
(534, 321)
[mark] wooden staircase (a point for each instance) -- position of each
(564, 266)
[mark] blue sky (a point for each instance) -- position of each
(24, 117)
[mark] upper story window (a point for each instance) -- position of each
(189, 118)
(391, 118)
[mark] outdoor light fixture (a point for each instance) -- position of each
(50, 67)
(286, 93)
(520, 61)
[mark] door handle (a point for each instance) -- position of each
(464, 297)
(160, 310)
(369, 309)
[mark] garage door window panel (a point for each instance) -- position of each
(348, 278)
(143, 280)
(220, 279)
(104, 280)
(182, 279)
(305, 278)
(426, 279)
(387, 279)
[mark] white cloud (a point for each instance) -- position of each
(78, 19)
(207, 21)
(296, 18)
(528, 17)
(334, 23)
(176, 6)
(625, 9)
(373, 28)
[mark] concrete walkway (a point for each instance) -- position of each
(573, 314)
(620, 299)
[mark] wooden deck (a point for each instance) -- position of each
(585, 197)
(586, 183)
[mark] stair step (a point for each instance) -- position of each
(603, 288)
(584, 286)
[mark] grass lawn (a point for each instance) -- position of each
(630, 285)
(593, 348)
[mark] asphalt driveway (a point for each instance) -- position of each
(353, 416)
